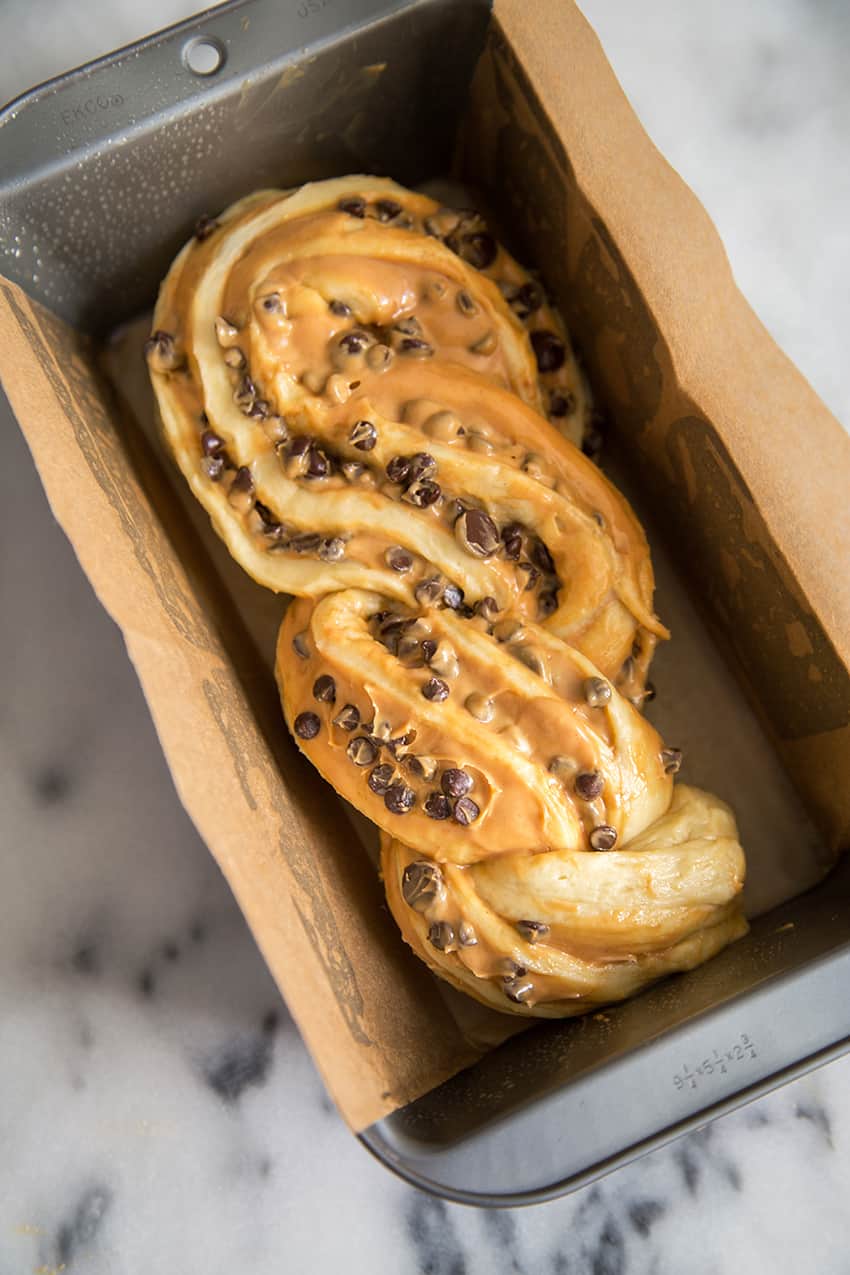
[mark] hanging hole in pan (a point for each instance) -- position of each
(204, 55)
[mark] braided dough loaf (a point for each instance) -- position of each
(355, 382)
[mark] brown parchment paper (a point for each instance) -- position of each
(744, 467)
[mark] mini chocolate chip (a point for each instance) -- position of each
(429, 648)
(589, 784)
(161, 352)
(399, 798)
(242, 480)
(518, 989)
(363, 436)
(529, 298)
(415, 347)
(318, 464)
(532, 575)
(324, 689)
(488, 607)
(465, 303)
(387, 209)
(547, 604)
(305, 541)
(379, 357)
(213, 467)
(299, 645)
(455, 782)
(408, 326)
(381, 777)
(354, 205)
(354, 342)
(352, 470)
(603, 837)
(421, 884)
(340, 308)
(479, 707)
(441, 935)
(437, 806)
(532, 658)
(422, 465)
(307, 725)
(270, 523)
(541, 557)
(332, 549)
(436, 689)
(259, 409)
(348, 717)
(428, 591)
(549, 351)
(362, 751)
(204, 227)
(453, 597)
(477, 533)
(671, 760)
(422, 493)
(478, 249)
(561, 404)
(466, 935)
(234, 358)
(272, 303)
(398, 469)
(531, 931)
(245, 392)
(398, 559)
(465, 811)
(597, 692)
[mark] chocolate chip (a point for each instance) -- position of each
(441, 935)
(259, 409)
(437, 806)
(380, 778)
(272, 303)
(422, 465)
(429, 647)
(465, 303)
(436, 690)
(398, 469)
(528, 299)
(204, 227)
(213, 467)
(270, 523)
(363, 436)
(318, 464)
(348, 717)
(477, 249)
(379, 357)
(305, 541)
(541, 557)
(387, 209)
(421, 884)
(299, 645)
(245, 392)
(671, 760)
(597, 692)
(589, 785)
(307, 725)
(354, 205)
(477, 533)
(242, 481)
(531, 573)
(561, 404)
(362, 750)
(466, 935)
(352, 470)
(354, 342)
(531, 931)
(399, 798)
(547, 604)
(487, 607)
(234, 358)
(518, 989)
(603, 837)
(340, 308)
(453, 597)
(422, 493)
(465, 811)
(415, 347)
(332, 549)
(549, 351)
(428, 591)
(161, 352)
(455, 782)
(324, 689)
(398, 559)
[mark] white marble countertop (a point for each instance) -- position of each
(158, 1112)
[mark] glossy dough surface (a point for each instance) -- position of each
(356, 381)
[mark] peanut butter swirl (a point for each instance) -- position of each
(382, 415)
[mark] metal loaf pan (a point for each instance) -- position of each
(104, 171)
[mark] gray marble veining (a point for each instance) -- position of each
(158, 1111)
